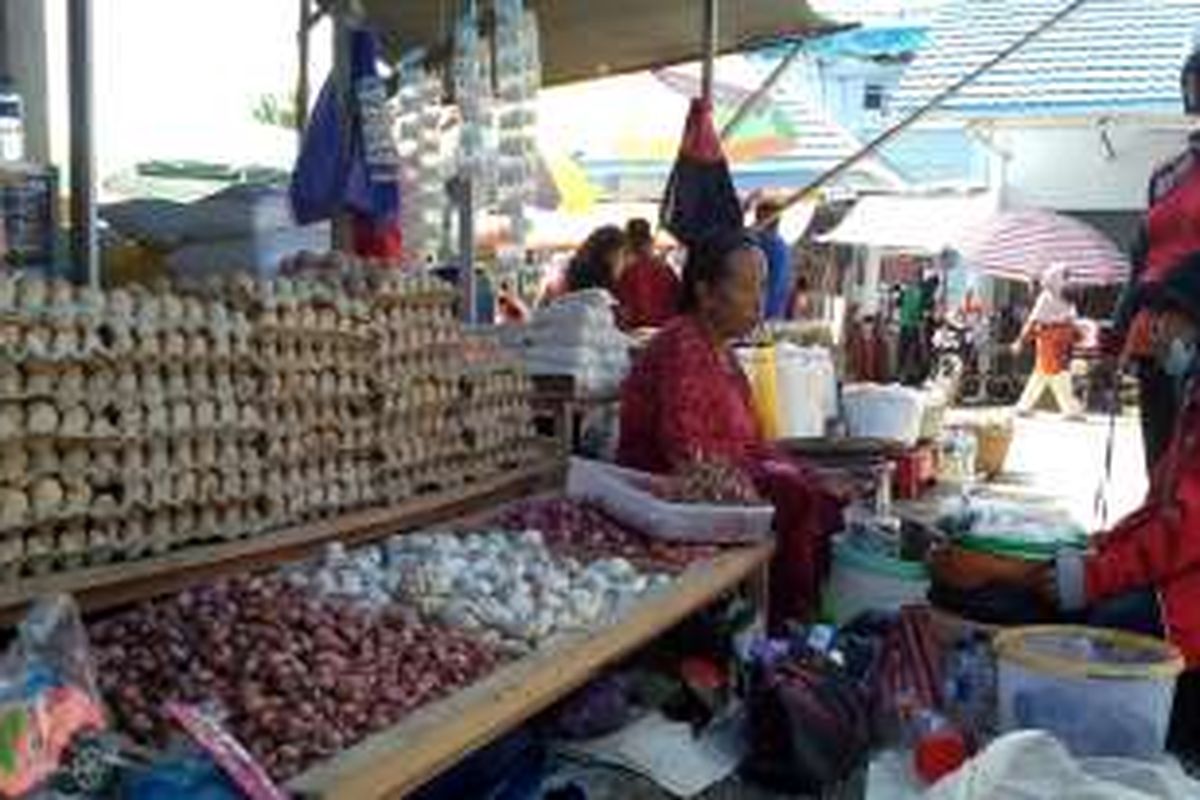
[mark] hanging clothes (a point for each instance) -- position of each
(699, 197)
(352, 168)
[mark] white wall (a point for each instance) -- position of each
(1066, 167)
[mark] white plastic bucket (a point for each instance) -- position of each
(891, 413)
(1102, 692)
(860, 581)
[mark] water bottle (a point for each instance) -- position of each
(12, 123)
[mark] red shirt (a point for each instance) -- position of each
(1158, 546)
(1173, 221)
(685, 397)
(648, 292)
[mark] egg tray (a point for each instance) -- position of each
(51, 498)
(73, 544)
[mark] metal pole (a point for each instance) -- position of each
(84, 250)
(464, 197)
(921, 112)
(302, 79)
(342, 238)
(711, 9)
(751, 102)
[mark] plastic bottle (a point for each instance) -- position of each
(12, 123)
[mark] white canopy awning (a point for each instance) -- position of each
(921, 223)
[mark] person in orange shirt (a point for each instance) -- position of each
(1051, 325)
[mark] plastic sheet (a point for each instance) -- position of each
(1035, 764)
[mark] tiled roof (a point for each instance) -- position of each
(821, 142)
(1108, 56)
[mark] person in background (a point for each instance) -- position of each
(1144, 575)
(598, 262)
(1167, 234)
(687, 400)
(648, 289)
(778, 286)
(910, 359)
(1052, 327)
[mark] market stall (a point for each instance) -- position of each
(313, 415)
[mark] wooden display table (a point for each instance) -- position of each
(557, 400)
(399, 760)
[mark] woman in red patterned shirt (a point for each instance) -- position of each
(687, 400)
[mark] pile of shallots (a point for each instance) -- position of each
(580, 530)
(299, 677)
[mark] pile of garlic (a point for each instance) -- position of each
(127, 422)
(508, 588)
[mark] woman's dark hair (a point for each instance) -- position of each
(591, 266)
(639, 233)
(708, 262)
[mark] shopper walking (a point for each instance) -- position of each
(1052, 328)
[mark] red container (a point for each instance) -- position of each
(916, 470)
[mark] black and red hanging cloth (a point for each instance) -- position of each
(699, 198)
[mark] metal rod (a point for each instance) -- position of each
(85, 253)
(750, 103)
(302, 77)
(711, 34)
(889, 134)
(464, 196)
(342, 235)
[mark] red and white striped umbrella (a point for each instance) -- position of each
(1023, 245)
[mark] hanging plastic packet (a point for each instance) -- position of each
(49, 705)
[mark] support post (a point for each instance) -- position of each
(342, 238)
(711, 9)
(303, 81)
(464, 198)
(85, 253)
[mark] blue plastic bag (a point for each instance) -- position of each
(332, 174)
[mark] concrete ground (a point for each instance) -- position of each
(1062, 463)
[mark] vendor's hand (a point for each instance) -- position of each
(1015, 348)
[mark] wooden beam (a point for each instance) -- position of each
(102, 587)
(397, 761)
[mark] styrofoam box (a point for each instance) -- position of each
(625, 495)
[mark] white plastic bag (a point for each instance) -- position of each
(1033, 764)
(626, 496)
